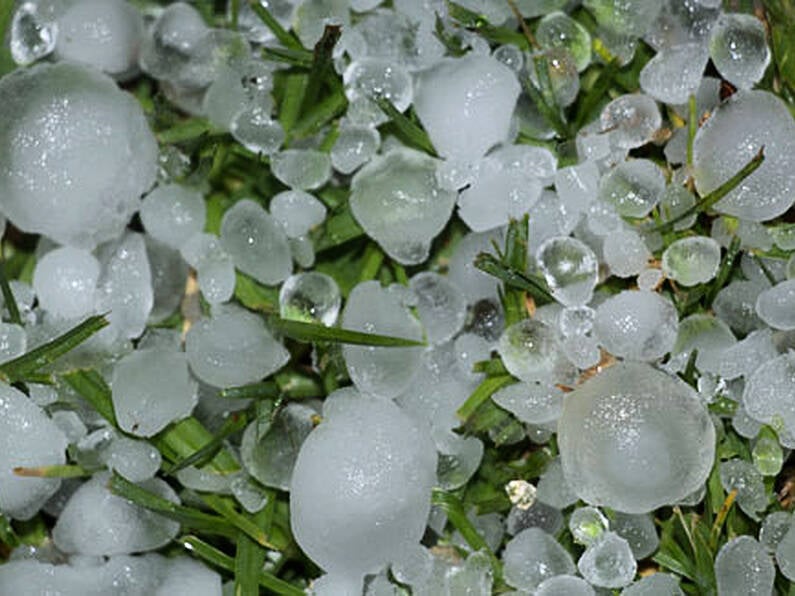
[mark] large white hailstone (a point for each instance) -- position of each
(399, 203)
(634, 439)
(382, 371)
(727, 141)
(65, 280)
(27, 438)
(105, 34)
(361, 487)
(76, 153)
(97, 522)
(744, 567)
(466, 105)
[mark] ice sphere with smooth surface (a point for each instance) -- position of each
(374, 78)
(738, 48)
(533, 403)
(608, 562)
(310, 297)
(28, 438)
(625, 253)
(233, 348)
(302, 169)
(769, 394)
(587, 524)
(728, 140)
(743, 567)
(76, 153)
(254, 128)
(13, 341)
(529, 350)
(557, 29)
(633, 120)
(354, 147)
(533, 556)
(638, 530)
(398, 202)
(97, 522)
(570, 268)
(135, 460)
(776, 306)
(691, 261)
(33, 33)
(256, 242)
(381, 371)
(104, 34)
(637, 325)
(633, 187)
(674, 73)
(466, 104)
(297, 212)
(773, 529)
(172, 213)
(633, 439)
(375, 468)
(151, 389)
(441, 307)
(65, 280)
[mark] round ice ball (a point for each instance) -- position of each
(361, 486)
(634, 439)
(76, 154)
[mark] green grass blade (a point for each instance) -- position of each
(8, 296)
(249, 558)
(311, 333)
(90, 385)
(187, 516)
(724, 272)
(263, 390)
(411, 133)
(484, 391)
(295, 87)
(535, 286)
(480, 25)
(692, 128)
(237, 421)
(322, 69)
(244, 523)
(254, 295)
(223, 561)
(298, 58)
(6, 14)
(337, 230)
(717, 194)
(592, 99)
(54, 471)
(320, 114)
(18, 368)
(185, 130)
(285, 37)
(188, 436)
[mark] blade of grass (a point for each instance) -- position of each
(90, 385)
(320, 114)
(254, 295)
(372, 261)
(692, 127)
(18, 368)
(310, 333)
(717, 194)
(479, 24)
(245, 524)
(285, 37)
(531, 284)
(223, 561)
(237, 421)
(298, 58)
(720, 518)
(322, 66)
(483, 392)
(249, 558)
(185, 130)
(411, 133)
(266, 389)
(724, 272)
(187, 516)
(338, 229)
(589, 103)
(295, 86)
(8, 295)
(54, 471)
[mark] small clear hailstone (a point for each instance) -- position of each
(632, 421)
(691, 261)
(570, 268)
(354, 147)
(254, 128)
(13, 341)
(776, 305)
(376, 78)
(297, 212)
(399, 203)
(562, 72)
(530, 351)
(440, 305)
(32, 34)
(785, 554)
(633, 187)
(135, 460)
(587, 524)
(532, 403)
(742, 566)
(215, 270)
(637, 529)
(312, 297)
(172, 213)
(625, 253)
(738, 48)
(557, 29)
(65, 280)
(637, 325)
(608, 562)
(740, 475)
(769, 394)
(533, 556)
(674, 73)
(302, 169)
(632, 120)
(773, 529)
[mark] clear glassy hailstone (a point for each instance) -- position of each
(373, 79)
(530, 351)
(400, 205)
(634, 439)
(691, 261)
(354, 147)
(32, 34)
(776, 305)
(633, 187)
(533, 556)
(738, 48)
(570, 268)
(557, 29)
(631, 119)
(375, 468)
(466, 105)
(728, 140)
(564, 81)
(629, 17)
(742, 566)
(172, 213)
(76, 153)
(312, 297)
(674, 73)
(65, 280)
(769, 394)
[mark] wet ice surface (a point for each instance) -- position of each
(743, 567)
(77, 153)
(616, 424)
(65, 280)
(533, 556)
(376, 468)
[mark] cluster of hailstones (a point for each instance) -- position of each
(77, 154)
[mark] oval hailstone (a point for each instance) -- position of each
(76, 153)
(728, 140)
(466, 105)
(691, 261)
(533, 556)
(633, 187)
(530, 351)
(400, 205)
(634, 439)
(27, 438)
(375, 469)
(769, 394)
(776, 306)
(172, 213)
(381, 371)
(65, 280)
(570, 268)
(233, 348)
